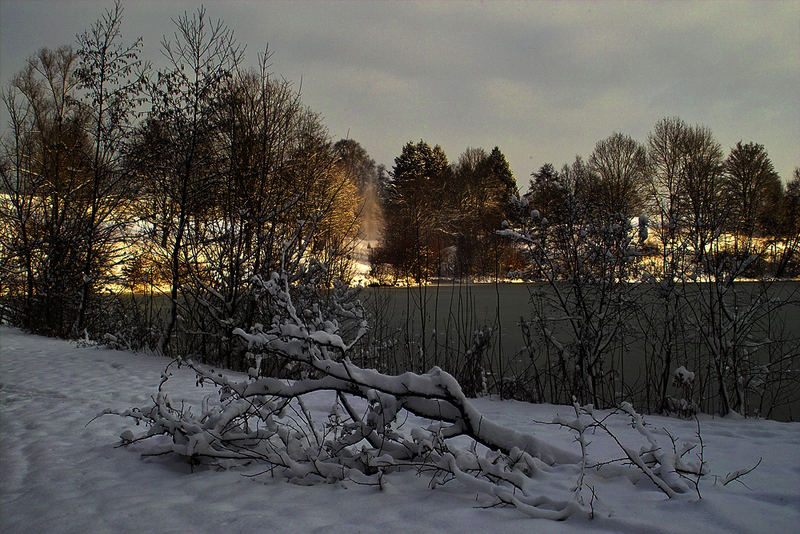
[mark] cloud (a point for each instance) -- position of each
(544, 80)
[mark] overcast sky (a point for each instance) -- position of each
(542, 80)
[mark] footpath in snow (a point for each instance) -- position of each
(59, 475)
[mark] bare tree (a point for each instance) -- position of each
(731, 321)
(201, 56)
(44, 179)
(667, 145)
(113, 76)
(663, 327)
(620, 164)
(354, 162)
(17, 207)
(273, 168)
(581, 319)
(702, 177)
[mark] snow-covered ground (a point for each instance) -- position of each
(59, 475)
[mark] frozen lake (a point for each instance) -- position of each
(445, 316)
(418, 327)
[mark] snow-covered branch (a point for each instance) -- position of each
(366, 432)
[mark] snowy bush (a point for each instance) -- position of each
(581, 324)
(685, 406)
(366, 434)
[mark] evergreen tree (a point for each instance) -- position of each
(787, 229)
(415, 220)
(481, 196)
(754, 188)
(504, 179)
(547, 193)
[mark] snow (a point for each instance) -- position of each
(683, 375)
(58, 474)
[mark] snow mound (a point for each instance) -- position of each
(59, 475)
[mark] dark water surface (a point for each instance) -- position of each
(446, 315)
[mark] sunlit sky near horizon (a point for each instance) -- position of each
(543, 80)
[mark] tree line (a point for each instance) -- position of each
(441, 219)
(694, 198)
(646, 246)
(189, 180)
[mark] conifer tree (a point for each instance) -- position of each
(753, 185)
(415, 216)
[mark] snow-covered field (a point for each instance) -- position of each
(59, 475)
